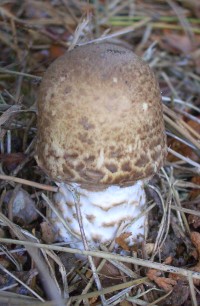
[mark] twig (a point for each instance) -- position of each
(118, 33)
(186, 159)
(28, 183)
(47, 279)
(22, 283)
(2, 70)
(192, 291)
(109, 256)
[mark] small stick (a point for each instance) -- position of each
(109, 256)
(185, 159)
(28, 183)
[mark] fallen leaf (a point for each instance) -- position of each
(195, 238)
(21, 257)
(181, 147)
(194, 5)
(194, 221)
(195, 192)
(179, 294)
(23, 206)
(165, 283)
(108, 269)
(196, 58)
(47, 232)
(93, 300)
(6, 280)
(56, 51)
(168, 260)
(33, 10)
(12, 160)
(126, 303)
(176, 43)
(121, 241)
(5, 262)
(149, 248)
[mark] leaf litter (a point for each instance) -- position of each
(167, 35)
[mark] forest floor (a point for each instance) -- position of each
(165, 269)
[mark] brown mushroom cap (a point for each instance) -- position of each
(100, 119)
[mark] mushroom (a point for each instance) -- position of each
(100, 132)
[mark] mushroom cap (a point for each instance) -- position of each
(100, 119)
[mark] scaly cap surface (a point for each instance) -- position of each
(100, 119)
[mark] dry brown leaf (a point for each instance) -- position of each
(23, 206)
(194, 5)
(168, 260)
(183, 148)
(56, 51)
(121, 241)
(196, 58)
(195, 192)
(165, 283)
(26, 276)
(93, 300)
(194, 221)
(21, 257)
(177, 43)
(149, 247)
(195, 238)
(179, 294)
(12, 160)
(6, 280)
(180, 148)
(47, 232)
(5, 262)
(125, 303)
(6, 116)
(108, 269)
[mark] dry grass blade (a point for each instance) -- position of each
(17, 299)
(164, 225)
(32, 35)
(163, 298)
(110, 289)
(6, 117)
(22, 283)
(186, 159)
(105, 255)
(119, 297)
(35, 254)
(118, 33)
(194, 300)
(6, 71)
(182, 19)
(8, 113)
(79, 31)
(181, 103)
(180, 126)
(186, 210)
(28, 183)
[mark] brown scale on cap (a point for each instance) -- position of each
(100, 118)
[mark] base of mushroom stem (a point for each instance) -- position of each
(102, 212)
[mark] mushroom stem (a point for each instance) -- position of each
(102, 213)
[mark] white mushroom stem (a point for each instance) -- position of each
(103, 212)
